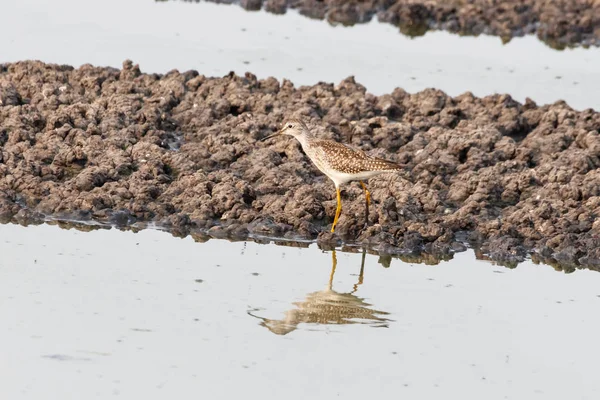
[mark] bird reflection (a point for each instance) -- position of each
(329, 307)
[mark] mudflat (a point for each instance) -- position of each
(558, 23)
(183, 150)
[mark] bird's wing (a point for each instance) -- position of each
(348, 160)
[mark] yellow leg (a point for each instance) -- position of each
(338, 211)
(367, 201)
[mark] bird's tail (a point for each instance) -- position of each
(380, 164)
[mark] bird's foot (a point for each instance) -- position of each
(362, 229)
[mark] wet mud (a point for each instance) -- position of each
(558, 23)
(182, 151)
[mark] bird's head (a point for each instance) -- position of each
(292, 127)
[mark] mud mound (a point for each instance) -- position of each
(183, 150)
(558, 23)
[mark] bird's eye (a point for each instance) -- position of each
(290, 125)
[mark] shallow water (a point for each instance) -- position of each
(215, 39)
(146, 315)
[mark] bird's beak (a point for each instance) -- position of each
(273, 135)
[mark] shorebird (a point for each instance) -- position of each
(338, 162)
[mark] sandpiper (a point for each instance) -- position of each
(339, 162)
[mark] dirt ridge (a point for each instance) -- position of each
(558, 23)
(182, 150)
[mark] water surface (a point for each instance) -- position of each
(146, 315)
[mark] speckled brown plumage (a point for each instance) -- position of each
(345, 159)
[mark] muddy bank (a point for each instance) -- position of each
(558, 23)
(182, 150)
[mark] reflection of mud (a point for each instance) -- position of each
(94, 144)
(329, 307)
(385, 259)
(558, 23)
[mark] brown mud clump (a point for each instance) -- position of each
(183, 150)
(558, 23)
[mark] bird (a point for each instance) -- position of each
(339, 162)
